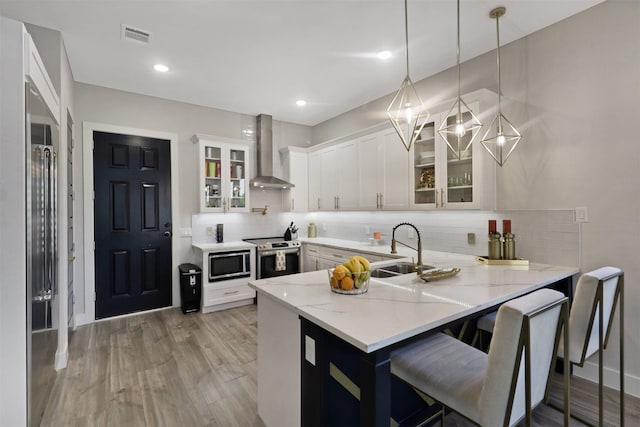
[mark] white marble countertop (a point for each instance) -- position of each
(401, 307)
(217, 247)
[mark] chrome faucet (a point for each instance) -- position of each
(419, 265)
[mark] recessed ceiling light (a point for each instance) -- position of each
(385, 54)
(301, 102)
(161, 68)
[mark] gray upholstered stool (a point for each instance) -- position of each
(597, 294)
(499, 388)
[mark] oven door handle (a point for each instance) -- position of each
(227, 254)
(274, 251)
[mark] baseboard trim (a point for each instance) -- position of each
(611, 378)
(62, 356)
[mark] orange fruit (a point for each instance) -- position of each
(335, 283)
(346, 283)
(339, 272)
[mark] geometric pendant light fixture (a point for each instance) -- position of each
(406, 111)
(501, 137)
(454, 132)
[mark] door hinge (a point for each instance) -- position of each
(95, 296)
(94, 245)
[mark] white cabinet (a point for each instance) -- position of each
(347, 176)
(441, 181)
(333, 178)
(224, 294)
(223, 169)
(321, 257)
(383, 172)
(295, 168)
(315, 180)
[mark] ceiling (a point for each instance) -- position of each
(261, 56)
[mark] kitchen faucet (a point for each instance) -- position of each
(418, 249)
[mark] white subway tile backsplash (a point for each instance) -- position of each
(549, 237)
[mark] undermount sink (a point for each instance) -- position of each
(397, 269)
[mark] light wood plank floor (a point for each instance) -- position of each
(168, 369)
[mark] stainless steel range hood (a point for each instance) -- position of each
(264, 140)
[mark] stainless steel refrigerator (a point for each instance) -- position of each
(42, 252)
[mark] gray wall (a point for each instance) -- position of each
(113, 107)
(573, 90)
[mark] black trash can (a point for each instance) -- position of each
(190, 287)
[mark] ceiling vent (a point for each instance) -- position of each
(135, 34)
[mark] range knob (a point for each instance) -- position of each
(262, 246)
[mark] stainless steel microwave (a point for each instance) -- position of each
(229, 265)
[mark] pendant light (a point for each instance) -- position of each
(501, 137)
(406, 111)
(454, 133)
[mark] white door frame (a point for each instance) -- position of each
(88, 128)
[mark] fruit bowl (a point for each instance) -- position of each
(348, 283)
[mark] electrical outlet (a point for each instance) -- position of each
(209, 231)
(581, 214)
(471, 238)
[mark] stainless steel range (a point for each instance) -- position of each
(276, 256)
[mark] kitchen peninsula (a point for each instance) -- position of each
(323, 358)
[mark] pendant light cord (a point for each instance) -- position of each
(458, 59)
(406, 34)
(498, 61)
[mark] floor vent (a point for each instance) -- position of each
(135, 34)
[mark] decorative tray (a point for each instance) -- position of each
(518, 261)
(437, 274)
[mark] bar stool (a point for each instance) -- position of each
(597, 292)
(502, 387)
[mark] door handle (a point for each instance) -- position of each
(167, 234)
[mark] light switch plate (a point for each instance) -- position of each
(581, 214)
(209, 231)
(471, 238)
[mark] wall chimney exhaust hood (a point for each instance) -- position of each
(264, 142)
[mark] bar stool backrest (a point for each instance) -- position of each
(523, 349)
(601, 284)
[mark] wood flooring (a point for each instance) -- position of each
(162, 368)
(165, 368)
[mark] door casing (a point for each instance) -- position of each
(89, 315)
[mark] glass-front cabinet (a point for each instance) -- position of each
(223, 174)
(426, 188)
(441, 180)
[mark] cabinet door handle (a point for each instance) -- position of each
(293, 204)
(436, 195)
(338, 198)
(231, 292)
(381, 201)
(224, 204)
(377, 200)
(318, 202)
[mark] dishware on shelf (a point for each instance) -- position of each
(349, 283)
